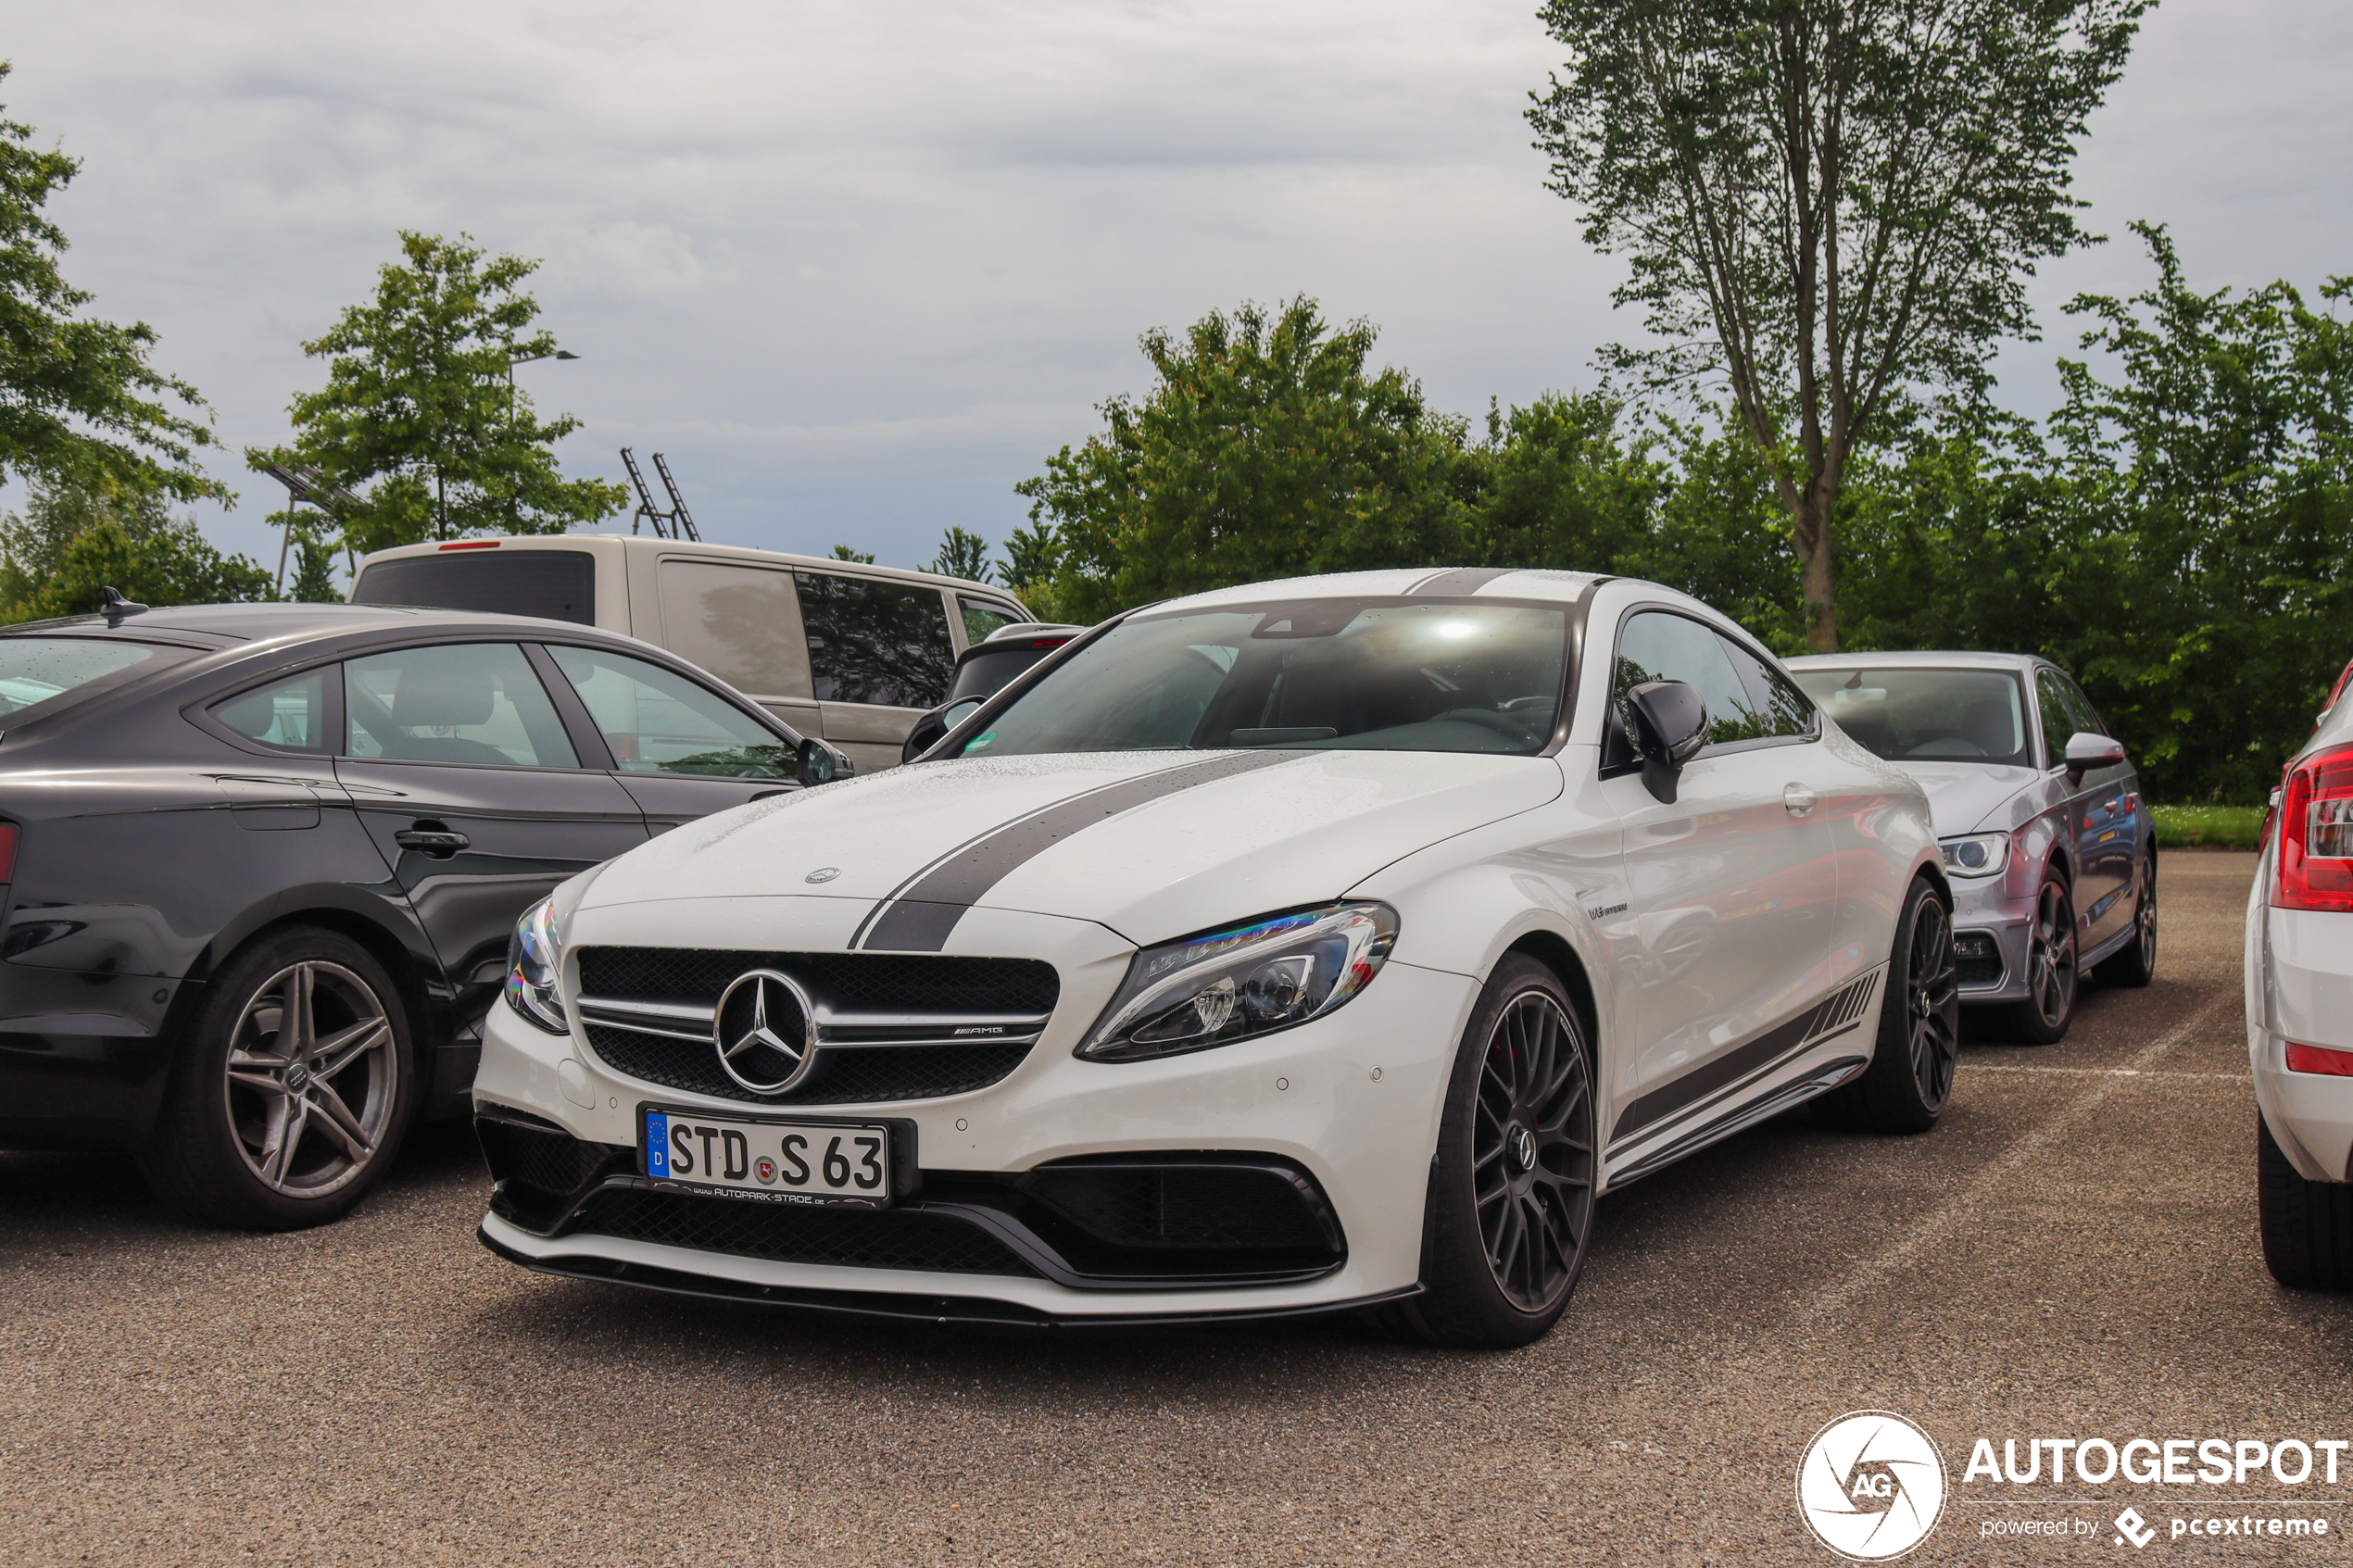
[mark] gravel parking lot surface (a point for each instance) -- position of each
(2072, 1252)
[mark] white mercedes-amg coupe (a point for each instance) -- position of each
(1311, 945)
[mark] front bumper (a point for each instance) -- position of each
(2002, 927)
(1350, 1102)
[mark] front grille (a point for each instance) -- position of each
(889, 1238)
(860, 997)
(1194, 1207)
(845, 1077)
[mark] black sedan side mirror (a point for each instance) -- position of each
(933, 727)
(1670, 725)
(2086, 751)
(821, 763)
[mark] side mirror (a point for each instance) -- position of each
(821, 763)
(2086, 751)
(1670, 725)
(933, 727)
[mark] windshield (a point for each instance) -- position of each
(1316, 674)
(33, 669)
(1927, 715)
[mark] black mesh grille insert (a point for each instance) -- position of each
(1977, 959)
(542, 1168)
(889, 1238)
(872, 982)
(1205, 1206)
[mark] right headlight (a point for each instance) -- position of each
(1248, 980)
(535, 965)
(1976, 854)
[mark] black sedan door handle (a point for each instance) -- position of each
(431, 838)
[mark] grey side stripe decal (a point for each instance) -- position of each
(1833, 1015)
(1462, 580)
(920, 913)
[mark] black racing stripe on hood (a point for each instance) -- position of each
(1462, 580)
(919, 913)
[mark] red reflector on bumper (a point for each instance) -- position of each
(2318, 1059)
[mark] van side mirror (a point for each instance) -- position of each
(1670, 725)
(2086, 751)
(821, 763)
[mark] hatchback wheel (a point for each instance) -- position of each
(2136, 964)
(2308, 1226)
(2051, 978)
(295, 1090)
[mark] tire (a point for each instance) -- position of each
(1909, 1081)
(1511, 1187)
(2053, 980)
(2308, 1226)
(2136, 964)
(348, 1091)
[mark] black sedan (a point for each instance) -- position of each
(262, 863)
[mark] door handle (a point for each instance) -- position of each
(1798, 798)
(434, 839)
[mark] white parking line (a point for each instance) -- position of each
(2003, 1173)
(1975, 1068)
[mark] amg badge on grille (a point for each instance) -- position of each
(765, 1031)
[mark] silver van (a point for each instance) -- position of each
(849, 652)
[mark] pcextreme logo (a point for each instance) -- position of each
(1870, 1486)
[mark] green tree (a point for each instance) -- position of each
(1263, 449)
(420, 417)
(72, 541)
(1830, 205)
(313, 547)
(864, 557)
(79, 404)
(962, 554)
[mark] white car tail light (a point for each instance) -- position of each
(2316, 834)
(2318, 1059)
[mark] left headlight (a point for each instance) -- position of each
(535, 965)
(1976, 854)
(1228, 985)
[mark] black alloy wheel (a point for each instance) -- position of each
(2135, 963)
(295, 1090)
(1909, 1081)
(1510, 1210)
(2052, 982)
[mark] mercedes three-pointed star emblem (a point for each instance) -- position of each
(765, 1031)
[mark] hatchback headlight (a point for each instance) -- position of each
(1976, 854)
(1229, 985)
(534, 964)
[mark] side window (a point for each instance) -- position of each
(739, 622)
(460, 702)
(1779, 707)
(2086, 716)
(291, 715)
(656, 720)
(875, 642)
(1657, 646)
(2058, 722)
(981, 618)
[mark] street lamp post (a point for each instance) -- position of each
(514, 503)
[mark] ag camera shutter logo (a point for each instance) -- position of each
(1870, 1486)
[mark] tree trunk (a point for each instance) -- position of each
(1811, 535)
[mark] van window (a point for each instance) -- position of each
(739, 622)
(553, 584)
(982, 616)
(875, 642)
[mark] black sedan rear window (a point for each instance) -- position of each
(34, 670)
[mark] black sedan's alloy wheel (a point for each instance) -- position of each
(1511, 1189)
(295, 1088)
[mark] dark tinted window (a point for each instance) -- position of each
(2059, 724)
(1321, 674)
(986, 675)
(982, 616)
(38, 669)
(291, 715)
(1927, 715)
(1657, 646)
(555, 584)
(2087, 718)
(461, 702)
(881, 643)
(656, 720)
(1781, 708)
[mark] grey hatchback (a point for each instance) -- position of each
(2051, 851)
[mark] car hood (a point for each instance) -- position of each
(1962, 795)
(1154, 845)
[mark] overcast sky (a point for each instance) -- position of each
(858, 269)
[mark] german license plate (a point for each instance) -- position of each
(776, 1161)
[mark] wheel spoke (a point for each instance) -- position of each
(339, 1123)
(339, 1050)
